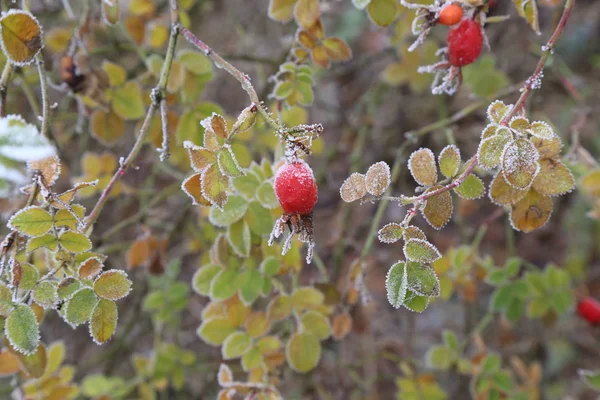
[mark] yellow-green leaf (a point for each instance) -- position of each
(103, 322)
(303, 351)
(112, 285)
(31, 221)
(127, 101)
(21, 36)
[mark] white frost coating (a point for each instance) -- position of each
(383, 238)
(471, 198)
(488, 162)
(304, 175)
(90, 325)
(416, 287)
(396, 285)
(489, 126)
(20, 141)
(100, 261)
(357, 193)
(3, 46)
(411, 167)
(455, 150)
(235, 161)
(10, 225)
(116, 272)
(542, 130)
(432, 253)
(33, 335)
(517, 158)
(378, 178)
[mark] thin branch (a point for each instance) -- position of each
(8, 68)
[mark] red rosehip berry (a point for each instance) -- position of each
(589, 309)
(491, 3)
(296, 188)
(464, 43)
(450, 14)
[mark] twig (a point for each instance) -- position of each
(157, 96)
(8, 68)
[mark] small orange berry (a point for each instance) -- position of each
(450, 15)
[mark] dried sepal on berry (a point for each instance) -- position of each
(554, 178)
(531, 212)
(438, 210)
(520, 163)
(449, 161)
(390, 233)
(378, 178)
(354, 188)
(421, 165)
(503, 194)
(421, 251)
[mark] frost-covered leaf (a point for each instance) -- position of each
(497, 110)
(416, 302)
(259, 219)
(317, 324)
(79, 308)
(48, 241)
(378, 178)
(30, 276)
(103, 322)
(218, 126)
(89, 268)
(67, 287)
(528, 10)
(449, 161)
(22, 330)
(65, 218)
(270, 266)
(490, 130)
(49, 168)
(236, 345)
(520, 125)
(45, 295)
(192, 186)
(520, 163)
(354, 188)
(280, 307)
(75, 242)
(252, 359)
(422, 167)
(490, 149)
(547, 148)
(228, 164)
(422, 280)
(382, 12)
(250, 284)
(421, 251)
(390, 233)
(281, 10)
(247, 185)
(471, 188)
(542, 130)
(224, 285)
(265, 194)
(438, 210)
(203, 277)
(531, 212)
(112, 284)
(225, 375)
(232, 212)
(200, 157)
(396, 284)
(303, 351)
(215, 330)
(501, 193)
(554, 178)
(31, 221)
(412, 232)
(214, 185)
(21, 36)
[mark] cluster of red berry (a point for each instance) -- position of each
(589, 309)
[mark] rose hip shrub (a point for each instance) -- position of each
(299, 199)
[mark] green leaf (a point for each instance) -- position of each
(421, 251)
(214, 331)
(103, 322)
(317, 324)
(116, 74)
(48, 241)
(250, 284)
(66, 218)
(75, 242)
(79, 308)
(224, 285)
(112, 284)
(520, 163)
(67, 287)
(484, 78)
(307, 297)
(45, 295)
(203, 277)
(390, 233)
(236, 345)
(396, 284)
(259, 219)
(247, 185)
(232, 212)
(127, 101)
(591, 378)
(228, 164)
(471, 188)
(422, 280)
(270, 266)
(238, 235)
(252, 359)
(22, 330)
(283, 90)
(382, 12)
(303, 351)
(439, 357)
(214, 185)
(30, 276)
(31, 221)
(415, 302)
(449, 161)
(266, 195)
(491, 148)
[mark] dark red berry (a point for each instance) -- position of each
(296, 188)
(464, 43)
(589, 309)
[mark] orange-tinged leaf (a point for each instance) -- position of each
(214, 185)
(320, 57)
(307, 13)
(136, 27)
(501, 193)
(90, 268)
(341, 326)
(49, 168)
(200, 157)
(532, 212)
(438, 210)
(219, 126)
(305, 39)
(337, 49)
(281, 10)
(192, 187)
(21, 36)
(9, 363)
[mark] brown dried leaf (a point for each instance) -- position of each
(378, 178)
(341, 325)
(532, 212)
(554, 178)
(307, 13)
(438, 210)
(192, 187)
(49, 168)
(354, 188)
